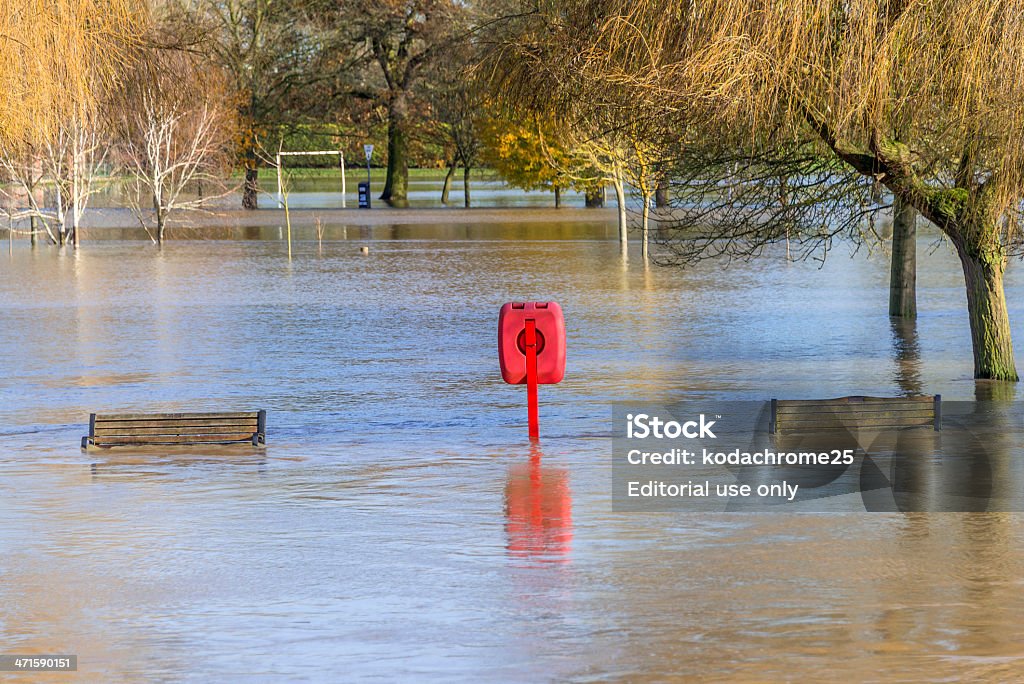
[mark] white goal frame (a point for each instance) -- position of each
(280, 169)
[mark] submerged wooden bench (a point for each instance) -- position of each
(140, 429)
(856, 413)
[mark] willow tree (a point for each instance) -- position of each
(57, 60)
(51, 60)
(925, 98)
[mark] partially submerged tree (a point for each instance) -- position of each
(73, 154)
(55, 69)
(926, 98)
(456, 109)
(404, 37)
(284, 184)
(530, 154)
(24, 168)
(268, 48)
(171, 139)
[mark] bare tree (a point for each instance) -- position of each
(284, 184)
(269, 50)
(73, 157)
(456, 106)
(173, 138)
(24, 168)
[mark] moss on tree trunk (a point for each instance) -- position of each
(990, 322)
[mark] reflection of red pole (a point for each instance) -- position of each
(538, 511)
(531, 379)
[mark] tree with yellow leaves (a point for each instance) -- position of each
(530, 155)
(56, 57)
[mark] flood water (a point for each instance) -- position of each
(399, 526)
(322, 189)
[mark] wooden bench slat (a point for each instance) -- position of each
(171, 439)
(875, 411)
(796, 420)
(846, 413)
(860, 408)
(104, 417)
(160, 424)
(853, 425)
(183, 423)
(878, 417)
(854, 401)
(174, 430)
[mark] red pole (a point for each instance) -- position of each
(531, 379)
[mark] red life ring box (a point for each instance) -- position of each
(550, 341)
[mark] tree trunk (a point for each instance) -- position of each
(37, 199)
(990, 322)
(620, 201)
(644, 226)
(396, 185)
(661, 193)
(76, 194)
(465, 184)
(75, 219)
(903, 270)
(447, 183)
(595, 197)
(250, 198)
(158, 214)
(62, 218)
(288, 223)
(32, 230)
(558, 197)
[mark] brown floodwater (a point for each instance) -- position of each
(398, 525)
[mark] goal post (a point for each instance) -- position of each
(317, 153)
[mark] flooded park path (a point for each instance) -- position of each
(398, 523)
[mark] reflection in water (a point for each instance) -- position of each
(993, 391)
(538, 511)
(142, 462)
(972, 584)
(908, 356)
